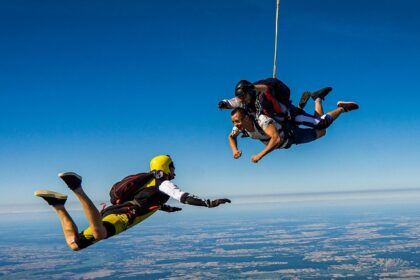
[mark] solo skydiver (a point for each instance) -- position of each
(152, 191)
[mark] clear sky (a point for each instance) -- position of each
(100, 87)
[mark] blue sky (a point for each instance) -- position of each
(100, 87)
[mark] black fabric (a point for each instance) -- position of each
(169, 209)
(141, 198)
(110, 229)
(186, 198)
(151, 196)
(145, 201)
(278, 89)
(268, 103)
(323, 123)
(125, 208)
(127, 188)
(83, 242)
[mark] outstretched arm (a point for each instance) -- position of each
(193, 200)
(274, 142)
(173, 191)
(229, 103)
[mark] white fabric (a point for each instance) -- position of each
(263, 121)
(235, 102)
(171, 189)
(308, 119)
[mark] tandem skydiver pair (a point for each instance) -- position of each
(263, 111)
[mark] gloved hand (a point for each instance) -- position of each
(223, 105)
(169, 209)
(216, 202)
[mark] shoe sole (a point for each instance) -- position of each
(346, 102)
(64, 174)
(304, 99)
(340, 103)
(46, 193)
(327, 90)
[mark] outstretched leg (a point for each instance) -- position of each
(69, 227)
(74, 182)
(57, 200)
(342, 107)
(319, 94)
(324, 121)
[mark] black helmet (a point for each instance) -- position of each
(242, 87)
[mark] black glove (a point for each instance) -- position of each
(169, 209)
(216, 202)
(223, 105)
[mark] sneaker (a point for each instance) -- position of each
(304, 99)
(72, 180)
(52, 198)
(347, 106)
(321, 93)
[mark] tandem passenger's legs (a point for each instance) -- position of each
(343, 106)
(300, 117)
(327, 119)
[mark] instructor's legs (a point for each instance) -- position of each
(319, 110)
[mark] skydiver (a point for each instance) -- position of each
(151, 197)
(273, 134)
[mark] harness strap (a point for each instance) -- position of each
(130, 208)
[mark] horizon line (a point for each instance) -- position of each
(284, 198)
(368, 191)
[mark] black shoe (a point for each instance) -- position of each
(348, 106)
(321, 93)
(53, 198)
(304, 99)
(72, 180)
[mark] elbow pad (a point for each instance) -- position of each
(186, 198)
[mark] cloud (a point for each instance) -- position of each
(95, 274)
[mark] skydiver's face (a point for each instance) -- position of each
(241, 122)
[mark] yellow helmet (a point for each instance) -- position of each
(162, 163)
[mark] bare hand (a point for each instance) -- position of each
(237, 154)
(255, 158)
